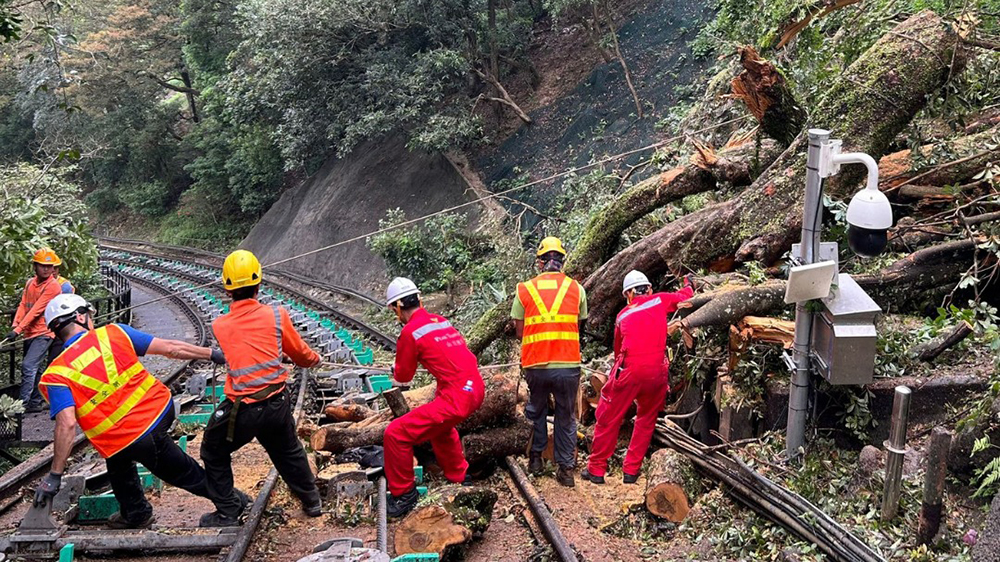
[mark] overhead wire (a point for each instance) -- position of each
(453, 208)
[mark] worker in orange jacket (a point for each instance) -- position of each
(548, 315)
(99, 383)
(254, 338)
(29, 323)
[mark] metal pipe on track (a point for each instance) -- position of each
(548, 525)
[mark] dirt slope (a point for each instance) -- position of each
(598, 117)
(346, 198)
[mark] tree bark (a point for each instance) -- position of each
(340, 412)
(703, 172)
(968, 158)
(491, 445)
(446, 519)
(668, 475)
(396, 401)
(766, 94)
(929, 351)
(875, 98)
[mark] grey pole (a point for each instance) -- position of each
(812, 223)
(896, 449)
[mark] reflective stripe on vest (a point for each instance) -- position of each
(116, 400)
(551, 334)
(644, 306)
(243, 378)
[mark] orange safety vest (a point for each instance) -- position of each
(551, 320)
(63, 281)
(116, 398)
(253, 349)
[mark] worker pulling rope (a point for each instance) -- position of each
(416, 220)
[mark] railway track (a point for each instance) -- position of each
(166, 270)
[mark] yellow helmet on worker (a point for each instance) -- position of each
(550, 244)
(241, 269)
(46, 256)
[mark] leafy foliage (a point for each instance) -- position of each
(41, 209)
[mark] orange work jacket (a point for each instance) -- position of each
(253, 337)
(116, 398)
(551, 320)
(29, 320)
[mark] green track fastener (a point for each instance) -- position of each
(183, 443)
(200, 417)
(418, 474)
(96, 508)
(380, 383)
(66, 553)
(418, 557)
(422, 490)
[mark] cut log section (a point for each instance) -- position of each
(341, 412)
(668, 474)
(445, 520)
(396, 401)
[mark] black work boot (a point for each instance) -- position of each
(398, 506)
(116, 521)
(586, 475)
(219, 519)
(565, 477)
(313, 509)
(535, 465)
(630, 478)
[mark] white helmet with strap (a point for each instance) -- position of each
(634, 279)
(63, 305)
(400, 287)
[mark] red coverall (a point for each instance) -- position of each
(640, 374)
(431, 340)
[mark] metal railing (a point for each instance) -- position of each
(111, 308)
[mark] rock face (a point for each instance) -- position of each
(987, 549)
(346, 198)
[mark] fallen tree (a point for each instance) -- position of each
(873, 101)
(667, 484)
(766, 94)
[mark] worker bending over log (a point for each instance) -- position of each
(640, 374)
(255, 337)
(430, 340)
(548, 314)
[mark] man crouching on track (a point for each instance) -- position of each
(254, 338)
(430, 340)
(125, 412)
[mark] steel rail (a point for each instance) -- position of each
(379, 338)
(298, 277)
(542, 515)
(34, 466)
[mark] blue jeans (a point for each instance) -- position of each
(36, 351)
(563, 385)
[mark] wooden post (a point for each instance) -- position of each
(396, 402)
(931, 509)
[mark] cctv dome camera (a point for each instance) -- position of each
(869, 216)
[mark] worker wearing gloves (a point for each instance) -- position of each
(254, 338)
(430, 340)
(548, 314)
(99, 383)
(639, 374)
(29, 323)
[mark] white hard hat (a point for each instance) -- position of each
(400, 287)
(634, 279)
(63, 305)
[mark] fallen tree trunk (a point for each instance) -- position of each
(492, 444)
(766, 94)
(447, 518)
(892, 81)
(498, 409)
(966, 157)
(340, 412)
(929, 351)
(668, 475)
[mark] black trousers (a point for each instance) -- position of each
(162, 457)
(271, 422)
(563, 385)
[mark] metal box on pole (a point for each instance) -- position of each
(844, 336)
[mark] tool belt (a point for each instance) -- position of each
(269, 390)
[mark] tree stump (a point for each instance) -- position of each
(396, 401)
(669, 473)
(446, 519)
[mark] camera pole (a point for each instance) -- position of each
(812, 224)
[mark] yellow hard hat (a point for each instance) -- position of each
(46, 256)
(241, 269)
(550, 244)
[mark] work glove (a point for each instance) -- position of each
(217, 357)
(48, 488)
(11, 336)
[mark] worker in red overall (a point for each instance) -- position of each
(639, 374)
(430, 340)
